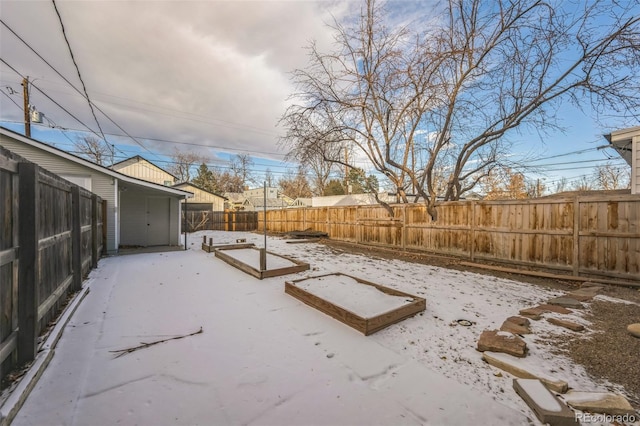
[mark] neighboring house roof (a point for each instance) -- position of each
(622, 141)
(258, 202)
(235, 197)
(64, 154)
(344, 200)
(184, 185)
(301, 202)
(136, 159)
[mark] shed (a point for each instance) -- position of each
(202, 199)
(627, 143)
(138, 213)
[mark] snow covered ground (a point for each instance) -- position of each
(266, 358)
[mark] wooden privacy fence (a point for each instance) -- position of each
(581, 235)
(51, 235)
(206, 220)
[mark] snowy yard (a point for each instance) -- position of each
(266, 358)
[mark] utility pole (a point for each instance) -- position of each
(27, 112)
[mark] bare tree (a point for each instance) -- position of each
(295, 185)
(423, 106)
(268, 177)
(94, 150)
(562, 185)
(504, 184)
(583, 184)
(611, 177)
(241, 166)
(318, 157)
(183, 164)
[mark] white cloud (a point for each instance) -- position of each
(210, 72)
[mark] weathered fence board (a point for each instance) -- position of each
(207, 220)
(583, 235)
(38, 214)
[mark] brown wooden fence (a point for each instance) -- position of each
(205, 220)
(51, 235)
(581, 235)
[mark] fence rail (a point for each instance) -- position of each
(51, 235)
(580, 235)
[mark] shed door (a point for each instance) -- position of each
(158, 221)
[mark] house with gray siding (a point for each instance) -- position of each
(627, 143)
(138, 213)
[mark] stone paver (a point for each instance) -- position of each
(566, 324)
(566, 302)
(554, 308)
(502, 341)
(513, 366)
(599, 402)
(634, 329)
(544, 404)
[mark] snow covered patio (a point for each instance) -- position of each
(266, 358)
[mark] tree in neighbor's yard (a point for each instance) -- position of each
(319, 158)
(431, 109)
(94, 150)
(609, 176)
(182, 164)
(295, 185)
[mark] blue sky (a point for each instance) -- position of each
(212, 78)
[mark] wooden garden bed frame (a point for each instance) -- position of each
(366, 326)
(298, 267)
(214, 247)
(211, 247)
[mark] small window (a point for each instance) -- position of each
(167, 183)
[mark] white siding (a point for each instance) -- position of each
(200, 196)
(144, 170)
(101, 184)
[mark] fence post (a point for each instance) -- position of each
(404, 227)
(576, 236)
(76, 239)
(472, 242)
(94, 231)
(104, 226)
(28, 270)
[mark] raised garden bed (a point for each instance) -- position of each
(363, 305)
(211, 247)
(248, 260)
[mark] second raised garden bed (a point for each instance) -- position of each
(360, 304)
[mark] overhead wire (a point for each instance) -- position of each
(11, 99)
(50, 98)
(73, 59)
(91, 104)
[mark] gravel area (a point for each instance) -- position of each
(610, 352)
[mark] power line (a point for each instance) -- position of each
(51, 99)
(91, 104)
(11, 99)
(84, 88)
